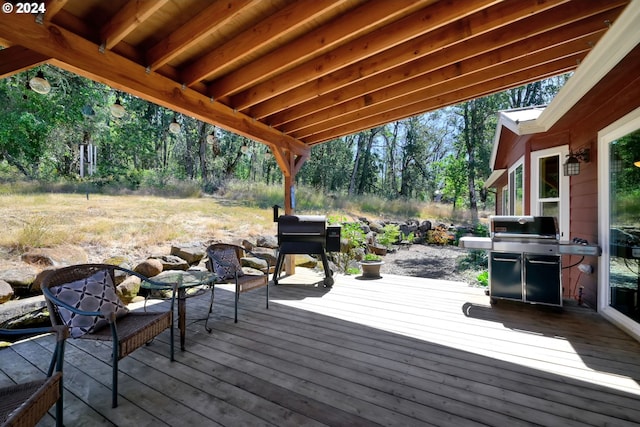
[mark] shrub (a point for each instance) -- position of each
(389, 235)
(483, 278)
(439, 236)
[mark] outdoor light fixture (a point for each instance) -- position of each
(211, 139)
(39, 84)
(572, 165)
(117, 110)
(637, 164)
(244, 148)
(174, 127)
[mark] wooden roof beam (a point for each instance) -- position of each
(345, 27)
(453, 97)
(52, 8)
(509, 25)
(82, 57)
(445, 64)
(202, 26)
(16, 59)
(126, 20)
(282, 22)
(469, 72)
(423, 21)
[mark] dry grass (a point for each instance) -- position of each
(134, 226)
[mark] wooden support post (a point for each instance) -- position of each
(290, 164)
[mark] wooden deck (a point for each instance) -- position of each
(396, 351)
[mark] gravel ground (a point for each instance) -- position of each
(430, 261)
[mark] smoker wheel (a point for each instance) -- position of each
(328, 282)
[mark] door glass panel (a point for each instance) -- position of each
(624, 224)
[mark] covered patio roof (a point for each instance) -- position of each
(292, 74)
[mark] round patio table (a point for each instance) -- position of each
(182, 281)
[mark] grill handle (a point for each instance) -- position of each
(506, 259)
(533, 261)
(275, 213)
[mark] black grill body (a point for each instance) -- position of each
(308, 235)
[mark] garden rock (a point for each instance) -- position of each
(149, 268)
(128, 289)
(172, 262)
(306, 261)
(191, 254)
(58, 257)
(270, 242)
(6, 292)
(253, 262)
(19, 278)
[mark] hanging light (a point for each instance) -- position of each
(174, 127)
(637, 164)
(244, 148)
(211, 139)
(39, 84)
(117, 110)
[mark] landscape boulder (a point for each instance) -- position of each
(56, 257)
(254, 262)
(172, 262)
(6, 292)
(270, 242)
(128, 289)
(149, 268)
(191, 254)
(20, 278)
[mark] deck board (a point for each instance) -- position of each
(395, 351)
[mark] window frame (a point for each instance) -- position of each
(512, 191)
(564, 207)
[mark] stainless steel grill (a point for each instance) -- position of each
(305, 234)
(525, 262)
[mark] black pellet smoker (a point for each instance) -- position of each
(306, 235)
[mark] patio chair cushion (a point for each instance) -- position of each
(231, 265)
(94, 293)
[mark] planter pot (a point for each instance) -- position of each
(371, 269)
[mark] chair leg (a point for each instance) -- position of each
(114, 390)
(267, 292)
(237, 296)
(206, 322)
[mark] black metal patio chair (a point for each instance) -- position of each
(24, 404)
(83, 298)
(225, 261)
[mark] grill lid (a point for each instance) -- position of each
(524, 227)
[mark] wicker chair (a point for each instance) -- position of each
(225, 261)
(26, 403)
(128, 330)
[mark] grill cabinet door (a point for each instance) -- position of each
(542, 279)
(505, 275)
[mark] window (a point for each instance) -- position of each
(516, 188)
(550, 188)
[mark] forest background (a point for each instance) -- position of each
(442, 156)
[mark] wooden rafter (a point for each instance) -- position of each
(202, 26)
(435, 68)
(381, 40)
(127, 20)
(17, 58)
(294, 73)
